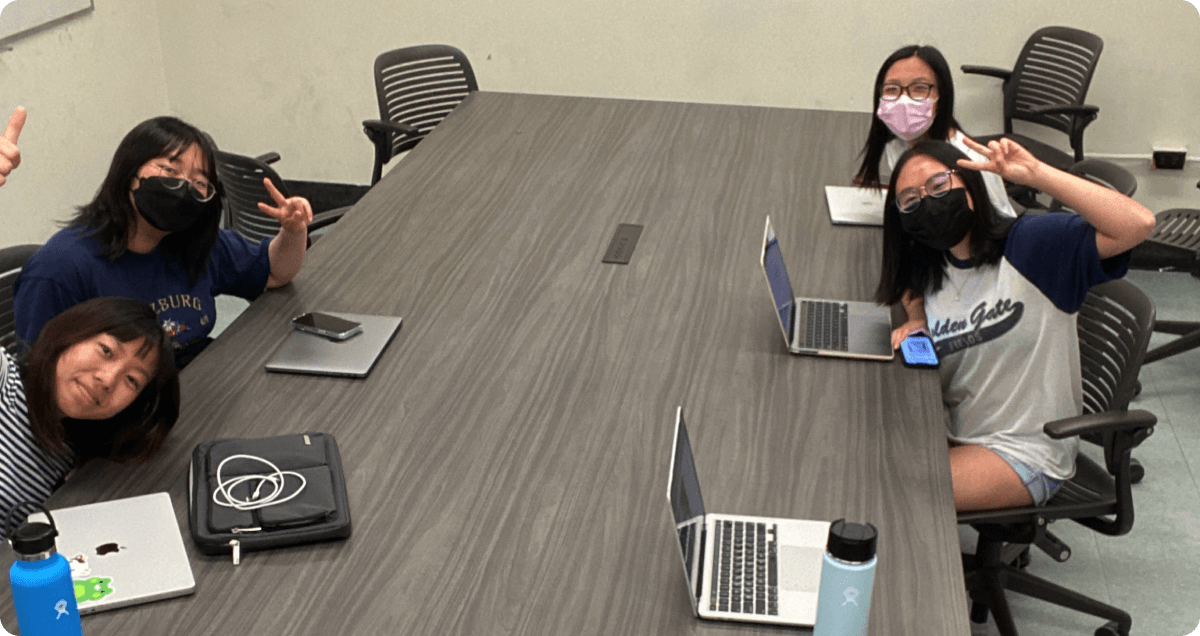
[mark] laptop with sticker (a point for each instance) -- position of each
(123, 552)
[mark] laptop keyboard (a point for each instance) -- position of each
(745, 567)
(823, 325)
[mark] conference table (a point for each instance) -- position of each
(506, 459)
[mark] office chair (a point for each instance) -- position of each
(1174, 245)
(1047, 87)
(1114, 328)
(1105, 173)
(417, 87)
(12, 259)
(242, 178)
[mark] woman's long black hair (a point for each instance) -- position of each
(911, 265)
(879, 134)
(109, 218)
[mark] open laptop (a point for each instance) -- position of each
(813, 326)
(123, 552)
(849, 205)
(353, 358)
(739, 568)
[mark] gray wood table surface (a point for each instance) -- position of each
(507, 457)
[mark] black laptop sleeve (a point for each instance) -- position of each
(319, 513)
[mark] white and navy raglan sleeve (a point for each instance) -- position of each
(1057, 253)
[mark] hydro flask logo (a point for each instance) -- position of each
(851, 595)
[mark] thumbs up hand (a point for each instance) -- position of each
(10, 156)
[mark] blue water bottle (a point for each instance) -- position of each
(844, 600)
(43, 593)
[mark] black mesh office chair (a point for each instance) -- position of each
(1047, 87)
(1173, 246)
(12, 259)
(417, 87)
(1114, 327)
(242, 178)
(1105, 173)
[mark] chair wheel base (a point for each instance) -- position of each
(1136, 471)
(1111, 628)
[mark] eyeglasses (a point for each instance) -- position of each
(936, 186)
(201, 191)
(918, 91)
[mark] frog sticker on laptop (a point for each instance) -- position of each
(88, 588)
(92, 589)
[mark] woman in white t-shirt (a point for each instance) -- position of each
(914, 101)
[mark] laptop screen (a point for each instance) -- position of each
(781, 286)
(683, 492)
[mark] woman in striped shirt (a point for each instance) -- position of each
(99, 382)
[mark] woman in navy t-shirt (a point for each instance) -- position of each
(152, 234)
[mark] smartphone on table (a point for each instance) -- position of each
(918, 351)
(326, 325)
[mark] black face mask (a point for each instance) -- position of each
(169, 210)
(941, 222)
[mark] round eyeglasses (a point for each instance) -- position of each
(201, 191)
(918, 91)
(936, 186)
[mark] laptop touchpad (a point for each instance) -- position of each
(800, 568)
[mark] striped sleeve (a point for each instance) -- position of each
(28, 472)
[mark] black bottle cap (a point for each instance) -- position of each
(852, 542)
(34, 538)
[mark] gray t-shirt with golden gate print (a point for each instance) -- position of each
(1005, 336)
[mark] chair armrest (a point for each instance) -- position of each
(328, 217)
(270, 157)
(1086, 110)
(990, 71)
(377, 127)
(1107, 422)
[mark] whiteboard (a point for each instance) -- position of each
(25, 16)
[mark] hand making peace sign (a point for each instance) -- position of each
(10, 156)
(1006, 158)
(293, 213)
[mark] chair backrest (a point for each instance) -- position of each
(1114, 327)
(242, 179)
(1054, 67)
(1105, 173)
(419, 86)
(12, 259)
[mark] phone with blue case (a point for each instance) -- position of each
(918, 352)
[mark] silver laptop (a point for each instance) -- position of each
(815, 326)
(737, 568)
(849, 205)
(123, 552)
(353, 358)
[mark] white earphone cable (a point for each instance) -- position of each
(277, 478)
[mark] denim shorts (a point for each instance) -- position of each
(1041, 486)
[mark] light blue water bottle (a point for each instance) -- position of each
(43, 593)
(844, 600)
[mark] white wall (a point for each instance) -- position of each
(85, 83)
(295, 77)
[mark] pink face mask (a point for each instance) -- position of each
(905, 117)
